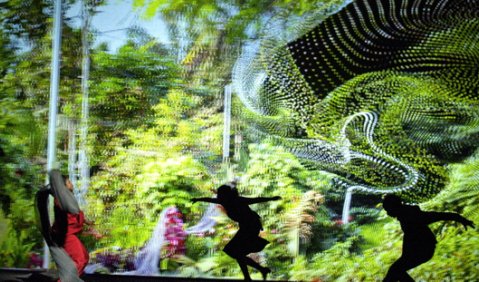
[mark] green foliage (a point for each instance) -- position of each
(364, 215)
(273, 171)
(20, 176)
(456, 253)
(155, 134)
(169, 182)
(25, 18)
(15, 241)
(124, 88)
(15, 249)
(455, 258)
(292, 225)
(155, 170)
(240, 19)
(461, 194)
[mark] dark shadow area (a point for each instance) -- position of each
(40, 275)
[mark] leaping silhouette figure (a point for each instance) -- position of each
(247, 239)
(419, 242)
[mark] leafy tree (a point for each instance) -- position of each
(24, 101)
(238, 18)
(210, 34)
(124, 88)
(19, 180)
(26, 19)
(155, 170)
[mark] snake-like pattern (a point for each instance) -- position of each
(384, 93)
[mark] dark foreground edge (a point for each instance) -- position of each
(40, 275)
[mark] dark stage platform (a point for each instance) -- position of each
(39, 275)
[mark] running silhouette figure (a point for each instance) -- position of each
(419, 242)
(247, 239)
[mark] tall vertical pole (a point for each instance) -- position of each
(347, 205)
(227, 123)
(72, 153)
(84, 165)
(53, 107)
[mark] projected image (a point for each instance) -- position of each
(309, 141)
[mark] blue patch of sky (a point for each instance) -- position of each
(111, 23)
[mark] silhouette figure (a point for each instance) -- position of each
(419, 242)
(247, 239)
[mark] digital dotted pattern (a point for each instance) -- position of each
(382, 93)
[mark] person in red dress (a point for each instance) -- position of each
(66, 249)
(65, 230)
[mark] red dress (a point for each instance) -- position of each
(72, 245)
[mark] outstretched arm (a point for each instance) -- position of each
(208, 200)
(250, 201)
(437, 216)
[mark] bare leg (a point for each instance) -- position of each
(244, 269)
(397, 271)
(264, 270)
(406, 277)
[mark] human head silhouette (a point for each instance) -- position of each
(392, 204)
(226, 192)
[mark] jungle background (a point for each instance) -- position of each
(155, 140)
